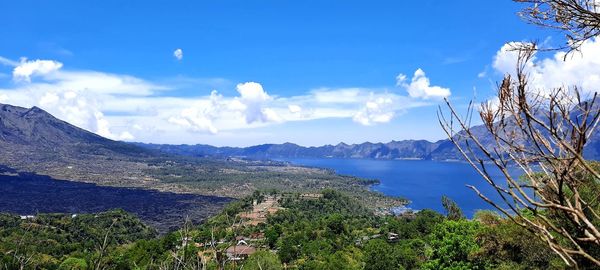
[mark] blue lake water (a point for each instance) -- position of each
(421, 181)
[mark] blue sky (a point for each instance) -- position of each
(309, 72)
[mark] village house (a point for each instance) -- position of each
(240, 252)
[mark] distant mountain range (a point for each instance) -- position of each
(408, 149)
(443, 150)
(41, 138)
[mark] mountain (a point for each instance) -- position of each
(34, 140)
(43, 140)
(36, 130)
(407, 149)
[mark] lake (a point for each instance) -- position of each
(421, 181)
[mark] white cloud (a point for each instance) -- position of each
(178, 54)
(254, 98)
(420, 87)
(26, 69)
(293, 108)
(82, 110)
(345, 95)
(104, 83)
(124, 107)
(103, 129)
(580, 69)
(77, 97)
(8, 62)
(375, 111)
(505, 60)
(201, 116)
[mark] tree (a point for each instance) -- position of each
(344, 260)
(453, 211)
(263, 260)
(451, 245)
(579, 19)
(73, 264)
(379, 255)
(505, 244)
(543, 132)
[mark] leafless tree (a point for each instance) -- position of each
(578, 19)
(102, 247)
(20, 257)
(180, 257)
(543, 133)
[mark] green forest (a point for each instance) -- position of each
(333, 231)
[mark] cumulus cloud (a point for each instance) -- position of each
(81, 110)
(74, 96)
(420, 87)
(375, 111)
(253, 100)
(26, 69)
(178, 53)
(248, 109)
(125, 107)
(201, 116)
(580, 69)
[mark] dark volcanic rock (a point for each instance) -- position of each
(29, 194)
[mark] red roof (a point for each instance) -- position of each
(241, 250)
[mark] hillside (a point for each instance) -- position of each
(36, 129)
(32, 140)
(328, 230)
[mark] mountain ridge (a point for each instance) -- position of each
(403, 149)
(34, 130)
(441, 150)
(38, 130)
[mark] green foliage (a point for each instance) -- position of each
(48, 238)
(505, 244)
(379, 255)
(263, 260)
(453, 211)
(73, 264)
(350, 259)
(209, 176)
(452, 244)
(333, 231)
